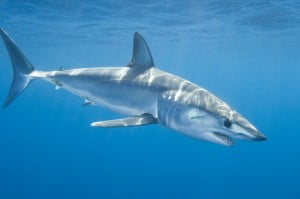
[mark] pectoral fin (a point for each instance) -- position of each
(130, 121)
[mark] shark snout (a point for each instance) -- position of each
(245, 130)
(253, 134)
(259, 137)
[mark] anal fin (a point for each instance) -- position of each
(143, 119)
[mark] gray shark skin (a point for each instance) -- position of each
(144, 93)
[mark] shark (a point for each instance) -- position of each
(142, 93)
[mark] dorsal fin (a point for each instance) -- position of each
(141, 56)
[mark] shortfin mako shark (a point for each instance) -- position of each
(144, 93)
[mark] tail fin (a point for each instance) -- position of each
(21, 69)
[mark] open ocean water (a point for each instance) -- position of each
(245, 52)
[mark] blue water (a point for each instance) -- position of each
(245, 52)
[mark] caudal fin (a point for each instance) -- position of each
(21, 69)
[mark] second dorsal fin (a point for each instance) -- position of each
(141, 56)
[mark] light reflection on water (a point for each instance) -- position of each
(171, 20)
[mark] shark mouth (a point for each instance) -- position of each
(222, 139)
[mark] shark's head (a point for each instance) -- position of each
(205, 117)
(214, 127)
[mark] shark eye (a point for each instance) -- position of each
(227, 123)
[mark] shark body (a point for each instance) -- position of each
(144, 93)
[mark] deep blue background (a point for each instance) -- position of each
(247, 53)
